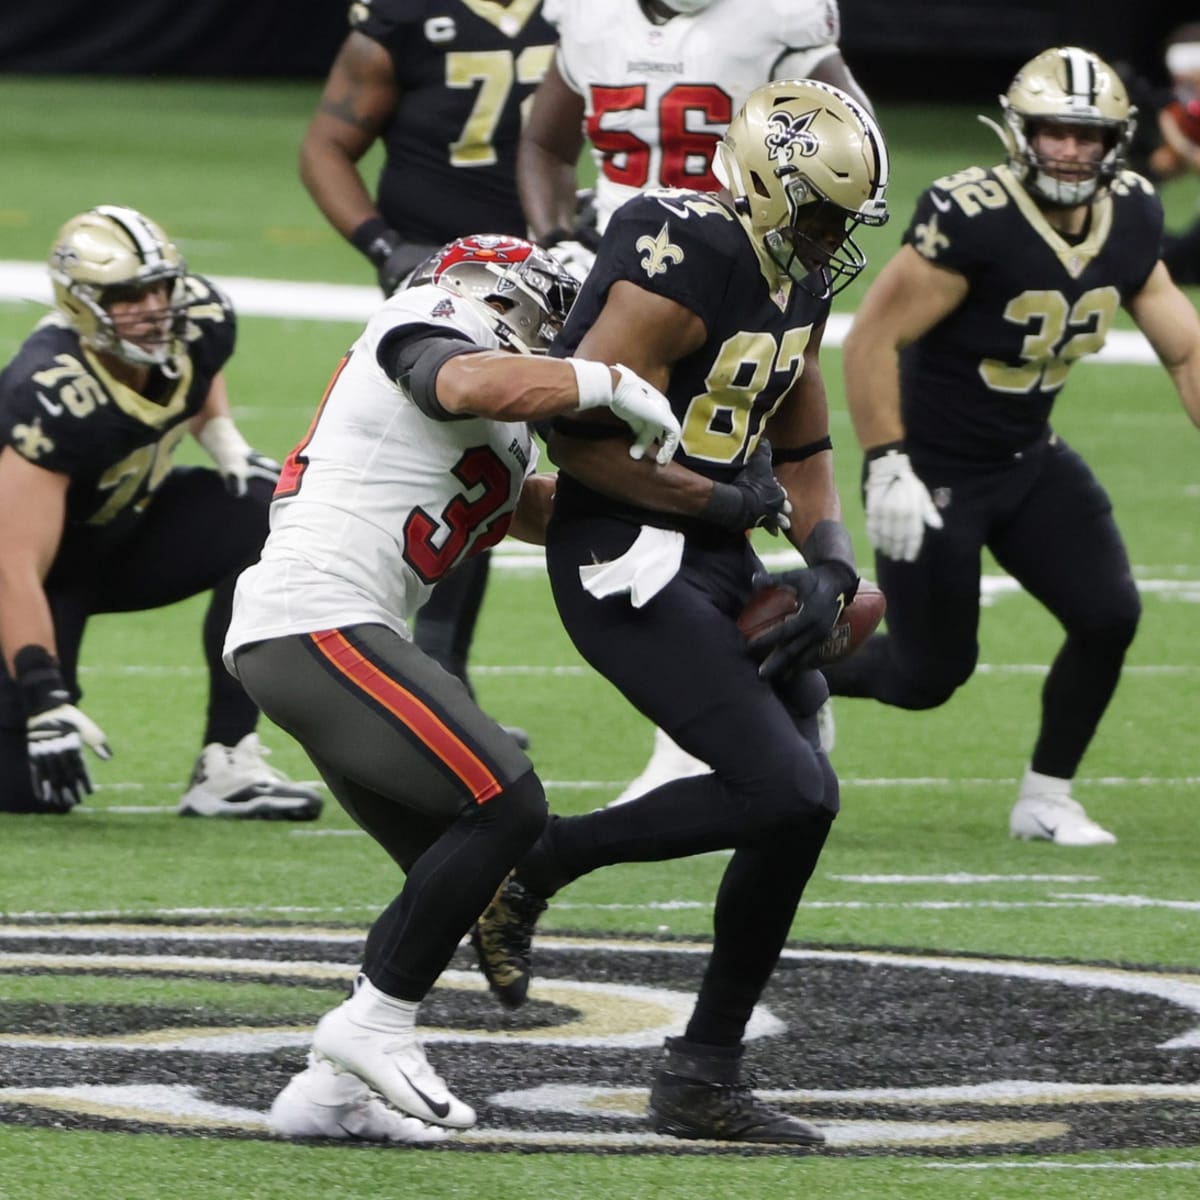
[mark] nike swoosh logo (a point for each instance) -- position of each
(940, 203)
(439, 1109)
(55, 410)
(1048, 830)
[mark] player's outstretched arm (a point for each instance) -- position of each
(508, 387)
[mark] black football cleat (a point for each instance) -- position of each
(697, 1094)
(503, 940)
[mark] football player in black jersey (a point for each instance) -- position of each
(94, 518)
(955, 358)
(441, 83)
(721, 301)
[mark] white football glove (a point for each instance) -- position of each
(643, 408)
(54, 741)
(899, 507)
(236, 461)
(574, 258)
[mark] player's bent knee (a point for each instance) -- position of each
(520, 811)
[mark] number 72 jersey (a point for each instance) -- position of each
(657, 98)
(981, 383)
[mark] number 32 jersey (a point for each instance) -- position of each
(380, 500)
(657, 98)
(981, 383)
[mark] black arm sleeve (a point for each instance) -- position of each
(412, 355)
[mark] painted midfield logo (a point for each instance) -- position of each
(994, 1055)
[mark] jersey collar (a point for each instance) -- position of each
(1075, 259)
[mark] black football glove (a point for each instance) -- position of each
(394, 270)
(824, 591)
(55, 732)
(54, 742)
(753, 499)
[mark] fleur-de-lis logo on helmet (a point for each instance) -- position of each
(789, 136)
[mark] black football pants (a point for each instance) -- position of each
(1049, 524)
(772, 794)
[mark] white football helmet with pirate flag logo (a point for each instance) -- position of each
(1071, 87)
(111, 253)
(805, 164)
(521, 291)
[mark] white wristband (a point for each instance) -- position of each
(594, 381)
(225, 445)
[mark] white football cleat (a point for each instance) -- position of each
(323, 1102)
(236, 781)
(1057, 819)
(394, 1065)
(667, 763)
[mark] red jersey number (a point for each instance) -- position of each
(686, 153)
(479, 467)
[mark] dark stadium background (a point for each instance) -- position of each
(900, 49)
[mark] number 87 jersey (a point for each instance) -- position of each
(657, 98)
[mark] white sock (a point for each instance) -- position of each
(1045, 785)
(377, 1010)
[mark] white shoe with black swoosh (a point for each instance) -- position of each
(323, 1102)
(1057, 819)
(394, 1065)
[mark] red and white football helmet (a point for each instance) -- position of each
(516, 286)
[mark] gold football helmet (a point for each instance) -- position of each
(110, 253)
(1065, 86)
(806, 165)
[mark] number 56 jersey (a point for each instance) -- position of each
(657, 98)
(380, 500)
(981, 383)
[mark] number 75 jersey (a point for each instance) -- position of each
(657, 98)
(981, 383)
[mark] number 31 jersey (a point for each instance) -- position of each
(657, 98)
(981, 383)
(380, 500)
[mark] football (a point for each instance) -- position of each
(771, 605)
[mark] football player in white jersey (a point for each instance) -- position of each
(419, 455)
(654, 83)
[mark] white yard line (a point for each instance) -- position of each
(28, 281)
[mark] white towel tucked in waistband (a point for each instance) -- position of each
(643, 570)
